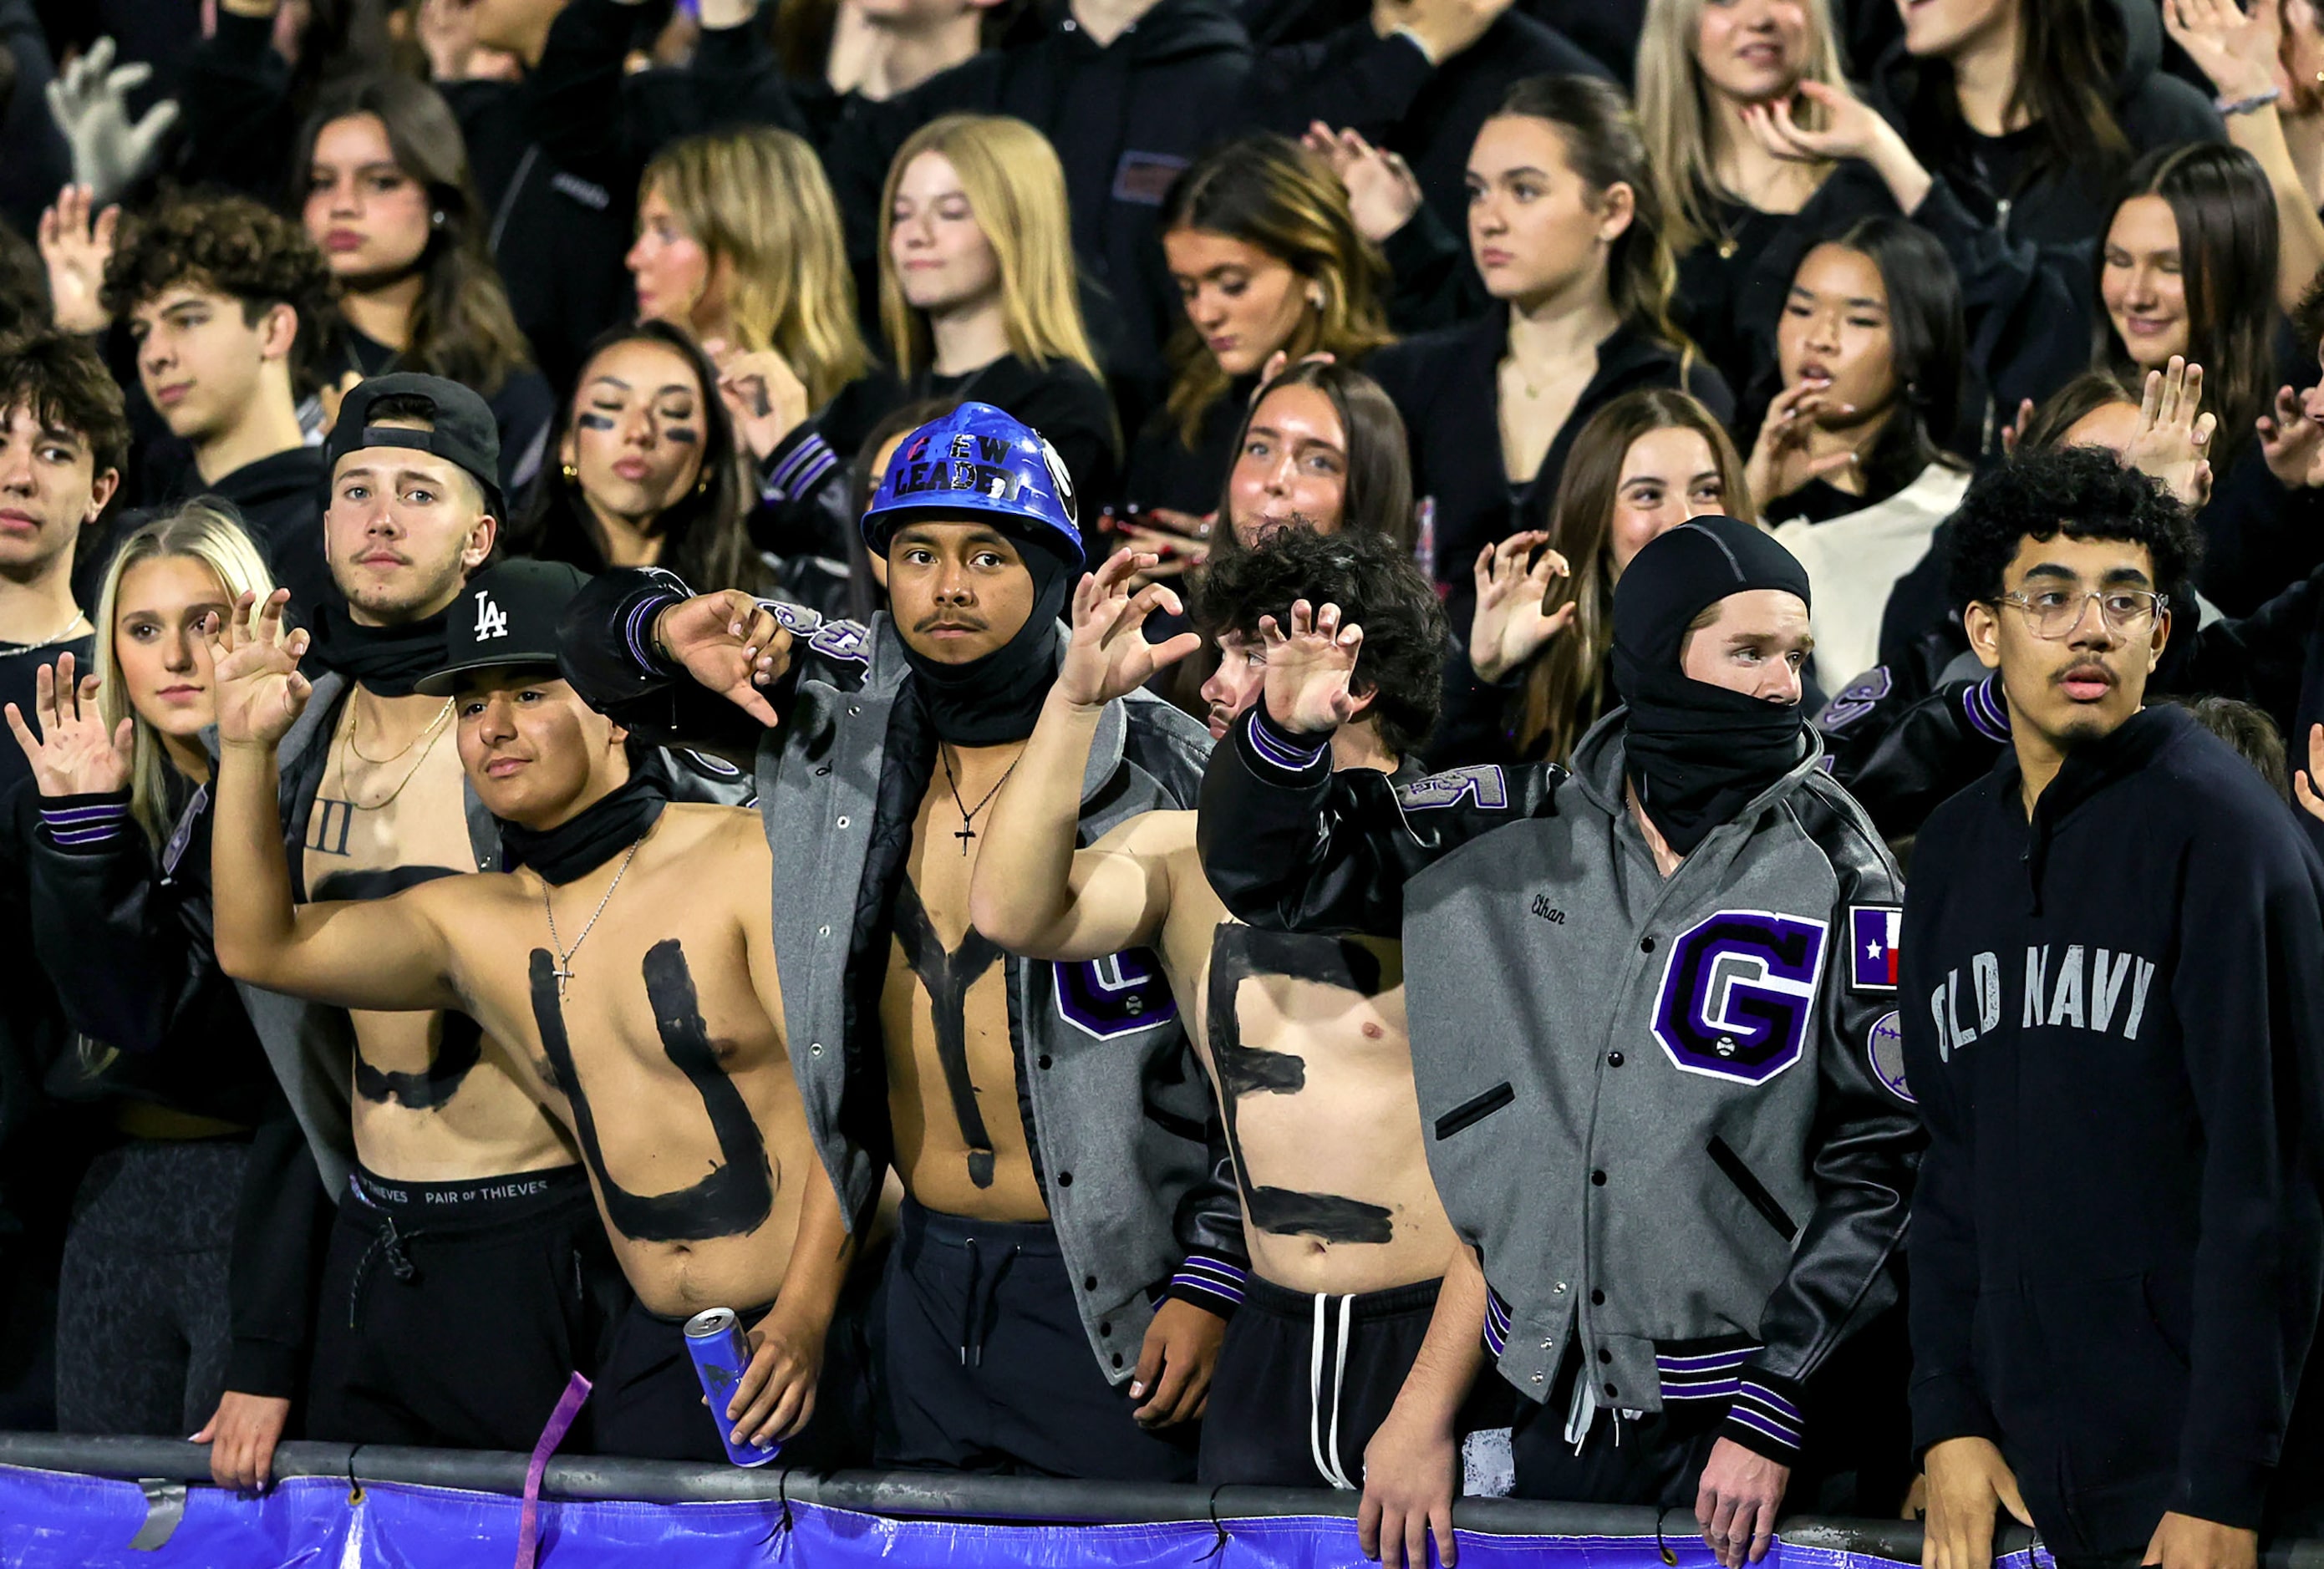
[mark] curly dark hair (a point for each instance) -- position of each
(1377, 585)
(239, 248)
(2082, 492)
(60, 375)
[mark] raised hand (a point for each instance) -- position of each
(2304, 781)
(1852, 128)
(2014, 433)
(1382, 193)
(255, 668)
(1109, 656)
(731, 643)
(2173, 443)
(1309, 669)
(2237, 50)
(1512, 623)
(2291, 441)
(74, 251)
(74, 754)
(763, 392)
(1177, 541)
(1779, 463)
(89, 102)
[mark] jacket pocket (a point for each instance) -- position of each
(1474, 1110)
(1755, 1192)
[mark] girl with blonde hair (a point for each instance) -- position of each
(116, 830)
(978, 292)
(739, 243)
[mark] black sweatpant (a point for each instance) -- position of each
(452, 1314)
(1654, 1458)
(649, 1401)
(1303, 1382)
(986, 1367)
(142, 1330)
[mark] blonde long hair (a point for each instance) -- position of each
(757, 198)
(201, 530)
(1017, 189)
(1674, 111)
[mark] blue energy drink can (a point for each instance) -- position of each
(714, 1340)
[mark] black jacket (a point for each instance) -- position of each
(2114, 1020)
(1445, 384)
(125, 936)
(1125, 120)
(2054, 208)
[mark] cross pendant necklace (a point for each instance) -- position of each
(563, 968)
(967, 830)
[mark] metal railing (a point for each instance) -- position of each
(942, 1495)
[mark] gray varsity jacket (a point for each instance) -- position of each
(1117, 1110)
(1668, 1113)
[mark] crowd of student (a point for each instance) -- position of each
(854, 663)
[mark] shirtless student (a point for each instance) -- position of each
(460, 1199)
(1303, 1035)
(626, 960)
(1048, 1120)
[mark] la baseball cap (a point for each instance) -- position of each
(506, 617)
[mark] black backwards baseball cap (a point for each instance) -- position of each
(506, 617)
(465, 433)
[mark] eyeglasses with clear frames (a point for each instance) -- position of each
(2054, 613)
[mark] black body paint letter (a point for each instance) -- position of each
(948, 976)
(736, 1197)
(1242, 953)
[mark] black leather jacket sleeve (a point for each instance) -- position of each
(1899, 765)
(1290, 846)
(1867, 1140)
(126, 959)
(606, 654)
(281, 1223)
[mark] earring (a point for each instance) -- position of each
(701, 485)
(572, 475)
(1315, 295)
(435, 218)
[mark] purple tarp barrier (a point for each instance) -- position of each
(56, 1521)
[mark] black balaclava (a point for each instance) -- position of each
(997, 699)
(1697, 753)
(590, 838)
(386, 660)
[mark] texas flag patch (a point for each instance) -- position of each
(1872, 951)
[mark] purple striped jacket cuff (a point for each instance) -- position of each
(83, 822)
(1764, 1417)
(1209, 1282)
(800, 470)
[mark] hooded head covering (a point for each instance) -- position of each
(979, 464)
(1697, 753)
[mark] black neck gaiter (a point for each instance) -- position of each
(386, 661)
(587, 840)
(1697, 754)
(997, 699)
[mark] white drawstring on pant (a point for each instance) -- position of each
(1324, 1443)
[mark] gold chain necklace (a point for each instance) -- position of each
(435, 728)
(355, 724)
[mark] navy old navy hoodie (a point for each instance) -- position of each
(2112, 1018)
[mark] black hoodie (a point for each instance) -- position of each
(2112, 1019)
(2059, 207)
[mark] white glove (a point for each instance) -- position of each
(90, 105)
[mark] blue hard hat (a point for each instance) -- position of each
(977, 462)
